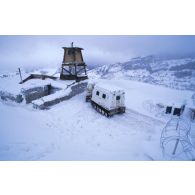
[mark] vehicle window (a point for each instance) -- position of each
(118, 97)
(104, 96)
(97, 93)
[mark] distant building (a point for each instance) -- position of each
(174, 109)
(73, 65)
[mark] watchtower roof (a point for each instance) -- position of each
(72, 48)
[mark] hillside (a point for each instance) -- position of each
(176, 73)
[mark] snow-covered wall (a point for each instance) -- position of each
(60, 96)
(8, 96)
(35, 93)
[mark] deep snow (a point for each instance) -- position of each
(73, 130)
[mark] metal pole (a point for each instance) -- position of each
(175, 148)
(20, 75)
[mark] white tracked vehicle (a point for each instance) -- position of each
(106, 99)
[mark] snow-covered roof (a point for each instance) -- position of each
(11, 83)
(73, 48)
(174, 104)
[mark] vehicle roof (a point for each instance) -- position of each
(109, 87)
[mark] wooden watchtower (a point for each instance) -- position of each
(73, 66)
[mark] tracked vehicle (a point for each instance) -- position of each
(107, 100)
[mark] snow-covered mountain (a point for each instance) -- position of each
(176, 73)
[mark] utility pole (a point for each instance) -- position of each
(20, 75)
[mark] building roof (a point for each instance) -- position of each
(73, 48)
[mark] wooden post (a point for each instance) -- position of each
(20, 75)
(85, 70)
(75, 69)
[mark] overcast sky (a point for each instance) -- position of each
(46, 51)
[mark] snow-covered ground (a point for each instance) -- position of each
(73, 130)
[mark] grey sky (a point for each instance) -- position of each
(45, 51)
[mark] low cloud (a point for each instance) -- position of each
(45, 51)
